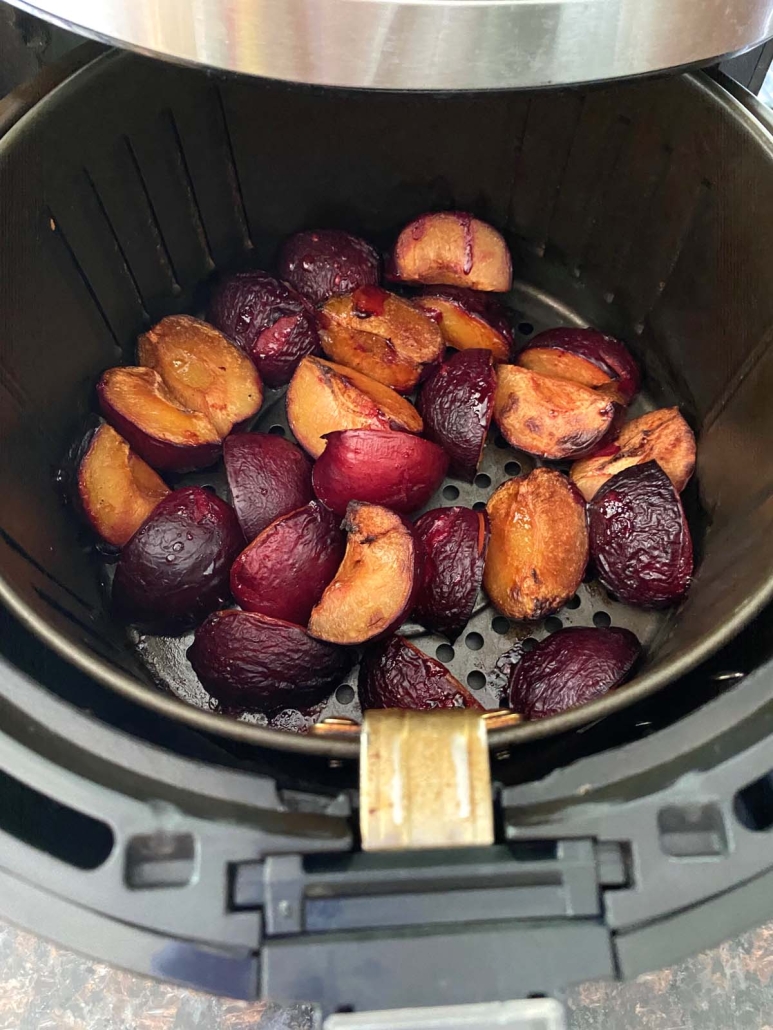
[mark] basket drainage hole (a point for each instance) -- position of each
(525, 328)
(345, 694)
(474, 641)
(479, 506)
(476, 680)
(277, 431)
(529, 644)
(482, 481)
(512, 468)
(445, 653)
(450, 492)
(601, 620)
(500, 625)
(573, 602)
(500, 442)
(553, 623)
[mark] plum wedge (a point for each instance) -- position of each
(538, 548)
(451, 248)
(396, 674)
(397, 470)
(322, 263)
(584, 356)
(374, 588)
(469, 319)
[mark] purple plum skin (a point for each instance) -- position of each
(323, 263)
(607, 352)
(396, 674)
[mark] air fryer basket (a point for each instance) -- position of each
(636, 208)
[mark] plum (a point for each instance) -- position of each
(639, 538)
(451, 248)
(175, 568)
(286, 568)
(550, 418)
(251, 661)
(203, 370)
(452, 548)
(138, 405)
(538, 549)
(374, 588)
(397, 470)
(267, 476)
(116, 489)
(396, 674)
(569, 668)
(324, 397)
(381, 335)
(469, 319)
(584, 356)
(662, 436)
(268, 319)
(457, 404)
(322, 263)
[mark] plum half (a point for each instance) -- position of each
(538, 549)
(268, 319)
(247, 660)
(175, 569)
(569, 668)
(397, 470)
(550, 418)
(457, 404)
(584, 356)
(469, 319)
(451, 248)
(452, 549)
(324, 397)
(381, 335)
(267, 476)
(662, 436)
(374, 588)
(286, 568)
(640, 542)
(396, 674)
(117, 490)
(322, 263)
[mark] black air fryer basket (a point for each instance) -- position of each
(138, 824)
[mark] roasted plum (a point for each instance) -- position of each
(203, 370)
(551, 418)
(584, 356)
(268, 319)
(375, 586)
(381, 335)
(469, 319)
(175, 568)
(538, 549)
(116, 489)
(322, 263)
(324, 397)
(452, 545)
(397, 470)
(569, 668)
(396, 674)
(286, 568)
(139, 406)
(247, 660)
(451, 248)
(457, 404)
(639, 538)
(662, 436)
(267, 476)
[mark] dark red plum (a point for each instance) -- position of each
(452, 548)
(396, 470)
(284, 571)
(457, 404)
(175, 568)
(322, 263)
(469, 319)
(267, 476)
(585, 356)
(570, 668)
(246, 660)
(639, 538)
(396, 674)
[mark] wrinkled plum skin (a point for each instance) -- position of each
(639, 538)
(176, 567)
(606, 352)
(457, 404)
(570, 668)
(326, 262)
(268, 319)
(477, 303)
(268, 476)
(284, 572)
(250, 661)
(396, 674)
(452, 549)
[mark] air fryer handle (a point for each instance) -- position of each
(526, 1014)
